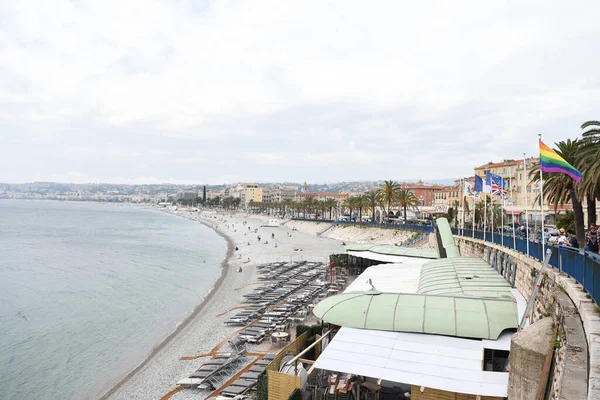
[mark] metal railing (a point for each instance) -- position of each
(581, 265)
(408, 227)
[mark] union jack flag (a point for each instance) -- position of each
(497, 184)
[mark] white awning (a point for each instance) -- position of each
(390, 278)
(438, 362)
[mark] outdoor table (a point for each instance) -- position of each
(280, 336)
(371, 386)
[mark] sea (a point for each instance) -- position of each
(88, 289)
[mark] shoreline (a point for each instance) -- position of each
(181, 326)
(183, 351)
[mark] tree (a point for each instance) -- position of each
(360, 203)
(389, 193)
(587, 163)
(456, 205)
(349, 205)
(329, 204)
(560, 188)
(566, 221)
(370, 200)
(308, 204)
(406, 199)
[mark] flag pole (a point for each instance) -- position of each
(525, 178)
(492, 215)
(542, 200)
(473, 211)
(485, 206)
(502, 215)
(484, 214)
(512, 224)
(462, 202)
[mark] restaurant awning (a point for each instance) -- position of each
(513, 210)
(434, 361)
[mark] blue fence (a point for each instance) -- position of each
(408, 227)
(581, 265)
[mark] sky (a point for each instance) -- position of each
(143, 91)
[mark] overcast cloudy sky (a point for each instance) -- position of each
(217, 92)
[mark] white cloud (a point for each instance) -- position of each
(303, 90)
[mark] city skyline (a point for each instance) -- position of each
(223, 92)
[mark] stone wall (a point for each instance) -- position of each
(569, 359)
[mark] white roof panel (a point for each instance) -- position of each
(439, 362)
(390, 278)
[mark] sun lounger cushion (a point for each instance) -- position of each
(252, 376)
(215, 362)
(200, 374)
(234, 390)
(243, 383)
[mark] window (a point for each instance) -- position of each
(518, 189)
(520, 176)
(495, 360)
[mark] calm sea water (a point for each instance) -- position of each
(87, 289)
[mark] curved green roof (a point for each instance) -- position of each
(463, 277)
(394, 250)
(441, 315)
(447, 238)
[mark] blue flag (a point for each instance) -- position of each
(478, 184)
(496, 184)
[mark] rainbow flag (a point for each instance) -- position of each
(552, 162)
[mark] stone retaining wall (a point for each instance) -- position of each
(559, 296)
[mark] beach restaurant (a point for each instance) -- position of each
(419, 328)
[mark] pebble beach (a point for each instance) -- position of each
(177, 356)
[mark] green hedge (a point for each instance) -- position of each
(296, 395)
(262, 387)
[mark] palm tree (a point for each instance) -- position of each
(308, 204)
(349, 205)
(330, 204)
(360, 203)
(406, 199)
(389, 193)
(455, 206)
(587, 163)
(560, 188)
(370, 200)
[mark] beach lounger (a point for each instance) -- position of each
(257, 368)
(215, 361)
(263, 363)
(243, 383)
(234, 390)
(250, 376)
(200, 374)
(270, 356)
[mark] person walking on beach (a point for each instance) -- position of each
(592, 239)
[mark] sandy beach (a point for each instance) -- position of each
(204, 329)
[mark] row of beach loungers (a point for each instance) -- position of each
(248, 379)
(215, 369)
(271, 307)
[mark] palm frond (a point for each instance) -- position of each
(590, 123)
